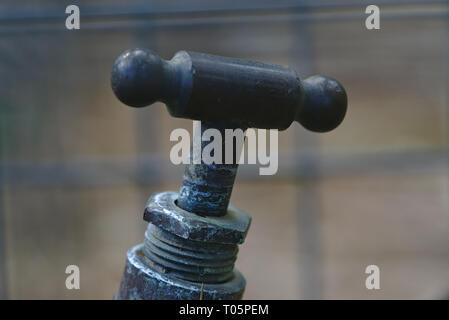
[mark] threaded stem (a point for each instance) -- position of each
(189, 260)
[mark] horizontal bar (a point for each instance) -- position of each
(205, 22)
(158, 10)
(152, 169)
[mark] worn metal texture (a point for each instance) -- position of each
(204, 262)
(184, 255)
(212, 88)
(191, 242)
(162, 211)
(141, 282)
(206, 188)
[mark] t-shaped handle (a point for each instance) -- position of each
(225, 93)
(205, 87)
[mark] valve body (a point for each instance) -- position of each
(184, 255)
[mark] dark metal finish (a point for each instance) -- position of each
(141, 282)
(191, 242)
(186, 259)
(184, 254)
(163, 212)
(211, 88)
(206, 189)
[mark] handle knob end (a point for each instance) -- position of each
(137, 78)
(324, 106)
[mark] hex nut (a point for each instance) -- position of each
(162, 211)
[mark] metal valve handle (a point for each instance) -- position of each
(191, 241)
(212, 88)
(225, 93)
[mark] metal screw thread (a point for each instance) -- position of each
(196, 261)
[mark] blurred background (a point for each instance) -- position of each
(77, 166)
